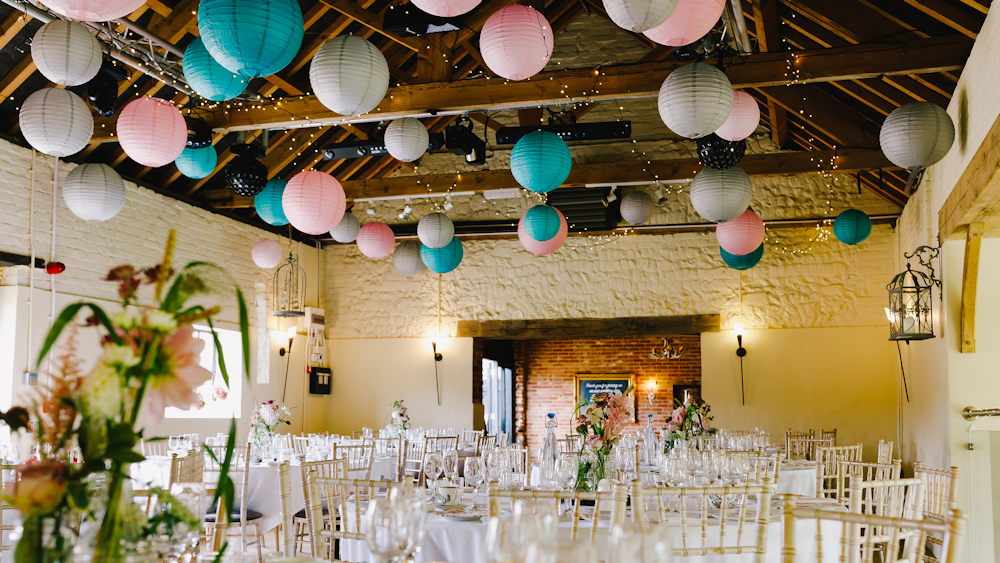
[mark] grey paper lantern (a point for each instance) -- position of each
(406, 139)
(406, 259)
(94, 192)
(347, 230)
(637, 207)
(721, 195)
(917, 135)
(639, 15)
(435, 230)
(66, 53)
(349, 75)
(56, 122)
(695, 100)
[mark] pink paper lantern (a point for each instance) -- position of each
(446, 8)
(95, 10)
(266, 253)
(543, 248)
(375, 240)
(743, 118)
(313, 202)
(516, 42)
(152, 132)
(691, 20)
(742, 235)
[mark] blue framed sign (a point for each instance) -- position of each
(590, 384)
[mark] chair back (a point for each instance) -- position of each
(359, 458)
(612, 501)
(848, 471)
(350, 497)
(571, 444)
(154, 447)
(908, 534)
(520, 459)
(412, 461)
(805, 448)
(471, 436)
(326, 469)
(485, 444)
(941, 492)
(706, 529)
(287, 532)
(440, 444)
(300, 444)
(884, 452)
(239, 473)
(797, 435)
(827, 458)
(763, 467)
(829, 435)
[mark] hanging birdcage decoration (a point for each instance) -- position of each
(911, 308)
(289, 289)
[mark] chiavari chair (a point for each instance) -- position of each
(763, 467)
(805, 448)
(381, 446)
(569, 445)
(326, 469)
(359, 459)
(10, 518)
(829, 435)
(239, 473)
(440, 444)
(154, 447)
(471, 436)
(890, 498)
(797, 435)
(485, 444)
(287, 528)
(849, 471)
(520, 459)
(411, 462)
(604, 501)
(884, 452)
(909, 534)
(706, 528)
(827, 459)
(300, 444)
(940, 498)
(503, 438)
(348, 495)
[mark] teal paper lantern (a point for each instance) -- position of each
(268, 203)
(540, 161)
(197, 163)
(852, 226)
(252, 38)
(541, 222)
(442, 260)
(208, 78)
(744, 262)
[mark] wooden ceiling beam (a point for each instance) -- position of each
(949, 15)
(768, 27)
(373, 22)
(621, 82)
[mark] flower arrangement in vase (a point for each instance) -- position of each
(150, 360)
(263, 422)
(688, 421)
(600, 422)
(399, 421)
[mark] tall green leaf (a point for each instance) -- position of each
(218, 348)
(66, 316)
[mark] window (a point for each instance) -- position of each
(232, 350)
(498, 398)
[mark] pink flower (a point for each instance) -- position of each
(41, 487)
(221, 393)
(181, 374)
(199, 402)
(595, 442)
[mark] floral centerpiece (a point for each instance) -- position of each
(398, 420)
(600, 422)
(263, 422)
(149, 361)
(688, 421)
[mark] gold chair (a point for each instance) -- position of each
(471, 436)
(239, 472)
(849, 471)
(347, 497)
(302, 520)
(705, 529)
(359, 458)
(485, 444)
(940, 498)
(797, 435)
(829, 435)
(826, 466)
(805, 448)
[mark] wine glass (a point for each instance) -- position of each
(567, 471)
(432, 469)
(639, 543)
(410, 501)
(174, 443)
(501, 540)
(475, 474)
(451, 465)
(386, 530)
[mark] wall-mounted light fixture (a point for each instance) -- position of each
(292, 331)
(740, 350)
(651, 390)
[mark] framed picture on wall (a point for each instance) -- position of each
(589, 384)
(687, 393)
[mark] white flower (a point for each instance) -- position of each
(395, 415)
(159, 320)
(119, 356)
(101, 391)
(126, 319)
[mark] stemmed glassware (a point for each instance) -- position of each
(475, 474)
(410, 501)
(451, 465)
(432, 469)
(639, 543)
(386, 530)
(567, 472)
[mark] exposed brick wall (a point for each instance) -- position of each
(550, 367)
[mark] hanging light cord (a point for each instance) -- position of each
(902, 371)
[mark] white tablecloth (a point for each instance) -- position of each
(798, 478)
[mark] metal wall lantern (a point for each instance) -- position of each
(289, 289)
(910, 311)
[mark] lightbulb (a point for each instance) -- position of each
(738, 327)
(888, 314)
(292, 331)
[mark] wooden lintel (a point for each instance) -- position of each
(976, 195)
(639, 80)
(589, 328)
(970, 281)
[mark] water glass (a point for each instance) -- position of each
(386, 530)
(639, 543)
(433, 469)
(567, 471)
(475, 475)
(501, 541)
(451, 464)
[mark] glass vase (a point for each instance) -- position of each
(593, 468)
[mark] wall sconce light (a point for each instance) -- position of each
(437, 355)
(741, 351)
(292, 331)
(651, 390)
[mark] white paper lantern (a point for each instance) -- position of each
(406, 139)
(347, 229)
(516, 42)
(695, 100)
(721, 195)
(639, 15)
(66, 53)
(266, 253)
(445, 8)
(406, 259)
(94, 10)
(94, 192)
(917, 135)
(56, 122)
(637, 207)
(742, 120)
(435, 230)
(349, 75)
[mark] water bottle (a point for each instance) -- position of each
(549, 455)
(649, 441)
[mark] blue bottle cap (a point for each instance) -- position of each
(553, 415)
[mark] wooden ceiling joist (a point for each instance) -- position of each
(620, 82)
